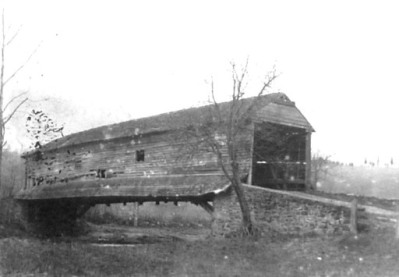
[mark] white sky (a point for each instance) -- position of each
(111, 61)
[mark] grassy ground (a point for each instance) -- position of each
(370, 254)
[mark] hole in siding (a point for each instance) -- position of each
(39, 181)
(101, 173)
(38, 156)
(78, 164)
(140, 155)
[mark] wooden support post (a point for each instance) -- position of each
(308, 158)
(353, 219)
(207, 207)
(397, 225)
(251, 164)
(82, 209)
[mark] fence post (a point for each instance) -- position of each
(353, 219)
(397, 225)
(135, 214)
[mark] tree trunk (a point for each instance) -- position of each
(2, 127)
(1, 164)
(245, 209)
(1, 145)
(353, 218)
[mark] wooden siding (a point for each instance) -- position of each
(172, 187)
(83, 164)
(282, 114)
(84, 170)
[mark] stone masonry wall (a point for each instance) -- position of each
(285, 214)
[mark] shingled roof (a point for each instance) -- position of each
(281, 111)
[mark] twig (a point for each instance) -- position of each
(22, 66)
(13, 112)
(13, 99)
(14, 36)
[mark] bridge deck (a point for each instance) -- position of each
(140, 189)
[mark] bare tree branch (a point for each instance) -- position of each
(2, 59)
(240, 79)
(215, 103)
(22, 66)
(13, 99)
(13, 112)
(14, 36)
(216, 149)
(267, 84)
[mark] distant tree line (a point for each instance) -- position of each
(377, 162)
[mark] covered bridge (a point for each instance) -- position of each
(141, 160)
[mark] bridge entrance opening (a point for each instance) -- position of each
(279, 157)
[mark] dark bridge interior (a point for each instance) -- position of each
(279, 157)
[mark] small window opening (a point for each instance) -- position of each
(78, 165)
(140, 155)
(101, 173)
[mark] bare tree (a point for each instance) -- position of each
(221, 132)
(8, 109)
(320, 165)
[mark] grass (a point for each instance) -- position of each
(208, 258)
(370, 254)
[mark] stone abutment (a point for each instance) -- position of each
(278, 211)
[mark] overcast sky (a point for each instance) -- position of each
(111, 61)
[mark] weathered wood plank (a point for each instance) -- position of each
(173, 185)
